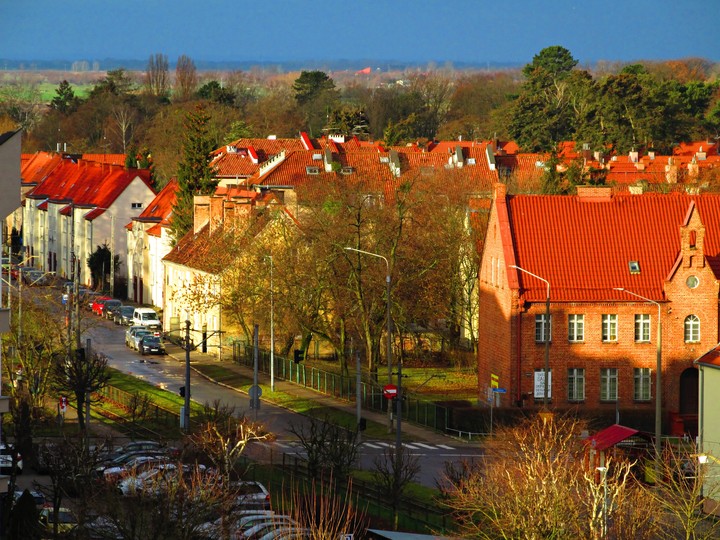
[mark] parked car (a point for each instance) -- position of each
(123, 315)
(134, 446)
(22, 270)
(137, 337)
(144, 316)
(66, 521)
(151, 344)
(136, 465)
(8, 454)
(98, 304)
(130, 333)
(88, 297)
(106, 310)
(121, 459)
(36, 278)
(251, 495)
(264, 527)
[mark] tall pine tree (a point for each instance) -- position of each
(194, 175)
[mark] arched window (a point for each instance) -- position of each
(692, 329)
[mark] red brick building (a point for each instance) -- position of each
(663, 250)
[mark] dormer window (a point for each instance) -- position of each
(634, 267)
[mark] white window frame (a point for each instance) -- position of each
(642, 328)
(609, 327)
(692, 329)
(541, 329)
(642, 390)
(576, 327)
(576, 384)
(608, 384)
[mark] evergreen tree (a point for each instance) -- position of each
(65, 101)
(194, 174)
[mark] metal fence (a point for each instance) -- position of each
(155, 413)
(418, 411)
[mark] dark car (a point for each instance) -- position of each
(106, 310)
(123, 315)
(151, 344)
(9, 457)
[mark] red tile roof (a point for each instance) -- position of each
(160, 208)
(87, 184)
(37, 167)
(583, 247)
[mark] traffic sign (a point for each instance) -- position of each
(255, 392)
(390, 391)
(499, 390)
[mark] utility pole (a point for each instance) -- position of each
(112, 256)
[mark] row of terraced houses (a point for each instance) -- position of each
(610, 265)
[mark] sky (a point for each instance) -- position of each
(441, 31)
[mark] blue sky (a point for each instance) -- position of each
(474, 31)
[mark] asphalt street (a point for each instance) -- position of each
(432, 449)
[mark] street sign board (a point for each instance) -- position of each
(390, 391)
(255, 392)
(499, 390)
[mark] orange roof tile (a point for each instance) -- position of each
(583, 248)
(86, 184)
(161, 207)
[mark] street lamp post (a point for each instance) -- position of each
(389, 327)
(546, 332)
(186, 411)
(272, 329)
(658, 371)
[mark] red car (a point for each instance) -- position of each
(98, 304)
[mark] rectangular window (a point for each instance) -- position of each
(576, 384)
(642, 384)
(642, 328)
(136, 205)
(576, 328)
(609, 327)
(608, 384)
(542, 330)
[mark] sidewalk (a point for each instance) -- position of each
(410, 431)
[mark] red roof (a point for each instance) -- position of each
(610, 436)
(585, 249)
(87, 184)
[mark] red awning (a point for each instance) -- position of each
(610, 436)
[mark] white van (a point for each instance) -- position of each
(143, 316)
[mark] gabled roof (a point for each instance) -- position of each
(710, 358)
(160, 208)
(36, 167)
(583, 245)
(87, 184)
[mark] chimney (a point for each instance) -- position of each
(594, 193)
(201, 212)
(634, 155)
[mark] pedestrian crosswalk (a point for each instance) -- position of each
(376, 445)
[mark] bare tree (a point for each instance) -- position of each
(156, 76)
(538, 465)
(186, 79)
(393, 473)
(325, 511)
(680, 490)
(124, 117)
(171, 504)
(224, 443)
(329, 448)
(81, 377)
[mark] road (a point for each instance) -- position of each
(167, 372)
